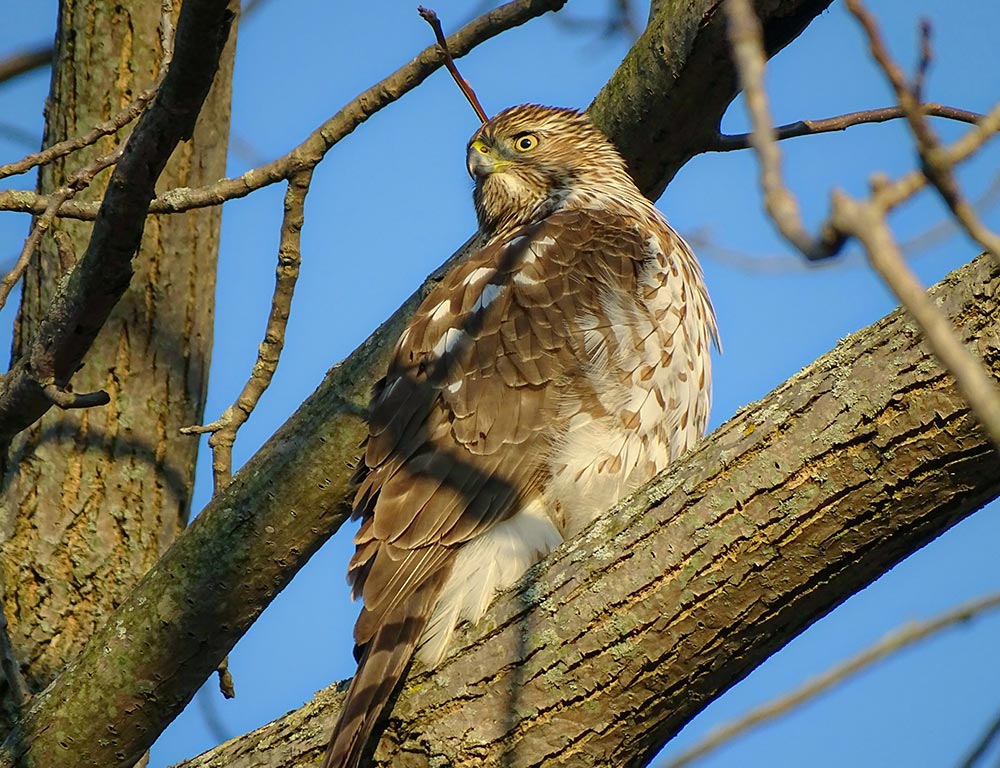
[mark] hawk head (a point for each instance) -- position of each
(529, 161)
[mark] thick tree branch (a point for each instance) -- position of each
(209, 588)
(655, 111)
(621, 637)
(101, 276)
(895, 641)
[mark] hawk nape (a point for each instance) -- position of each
(552, 373)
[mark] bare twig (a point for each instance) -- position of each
(924, 62)
(745, 37)
(19, 691)
(63, 148)
(936, 165)
(431, 18)
(224, 429)
(983, 745)
(866, 221)
(948, 227)
(891, 195)
(730, 142)
(68, 400)
(707, 245)
(78, 181)
(25, 61)
(311, 151)
(892, 643)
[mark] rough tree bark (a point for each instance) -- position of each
(92, 498)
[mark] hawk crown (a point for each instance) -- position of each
(529, 161)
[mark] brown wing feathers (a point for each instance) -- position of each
(460, 430)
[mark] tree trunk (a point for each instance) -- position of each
(91, 498)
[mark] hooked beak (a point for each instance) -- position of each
(482, 160)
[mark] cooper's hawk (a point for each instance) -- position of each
(557, 369)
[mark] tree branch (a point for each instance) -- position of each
(40, 226)
(63, 148)
(622, 636)
(730, 142)
(937, 167)
(894, 642)
(747, 39)
(224, 429)
(865, 220)
(983, 744)
(101, 276)
(17, 64)
(655, 112)
(660, 117)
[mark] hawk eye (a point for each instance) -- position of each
(525, 142)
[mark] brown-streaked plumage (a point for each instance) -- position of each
(552, 373)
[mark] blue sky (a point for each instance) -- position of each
(393, 200)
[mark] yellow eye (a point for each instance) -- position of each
(525, 142)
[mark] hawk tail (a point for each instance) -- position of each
(382, 664)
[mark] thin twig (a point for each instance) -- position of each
(892, 643)
(983, 744)
(224, 429)
(311, 151)
(924, 62)
(63, 148)
(707, 245)
(25, 61)
(78, 181)
(746, 39)
(866, 221)
(19, 691)
(730, 142)
(890, 196)
(431, 18)
(69, 400)
(936, 165)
